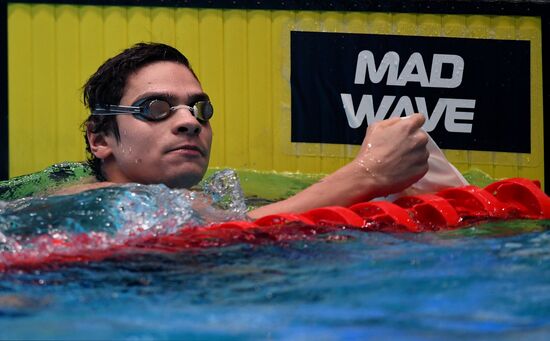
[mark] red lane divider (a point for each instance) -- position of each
(471, 201)
(524, 195)
(431, 211)
(449, 208)
(386, 213)
(283, 218)
(334, 215)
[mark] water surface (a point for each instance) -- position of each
(489, 281)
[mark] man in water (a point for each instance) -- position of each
(149, 124)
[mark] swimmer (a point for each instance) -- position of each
(149, 124)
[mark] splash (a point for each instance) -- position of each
(225, 189)
(104, 217)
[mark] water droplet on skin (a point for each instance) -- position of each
(367, 161)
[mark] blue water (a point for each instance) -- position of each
(491, 281)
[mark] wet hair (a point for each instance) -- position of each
(107, 84)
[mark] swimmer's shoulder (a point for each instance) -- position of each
(85, 185)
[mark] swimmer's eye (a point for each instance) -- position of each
(202, 110)
(155, 109)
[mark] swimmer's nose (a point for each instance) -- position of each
(184, 122)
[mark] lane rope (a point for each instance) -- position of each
(452, 208)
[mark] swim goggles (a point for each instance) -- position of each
(155, 109)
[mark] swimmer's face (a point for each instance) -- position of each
(174, 151)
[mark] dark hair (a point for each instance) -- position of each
(107, 84)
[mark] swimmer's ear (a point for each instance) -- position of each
(99, 145)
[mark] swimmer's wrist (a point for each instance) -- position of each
(358, 184)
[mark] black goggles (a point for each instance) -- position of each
(155, 109)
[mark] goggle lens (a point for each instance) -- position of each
(203, 110)
(158, 109)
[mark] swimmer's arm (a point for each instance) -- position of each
(392, 157)
(344, 187)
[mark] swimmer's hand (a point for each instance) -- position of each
(394, 153)
(392, 157)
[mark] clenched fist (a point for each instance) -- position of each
(394, 153)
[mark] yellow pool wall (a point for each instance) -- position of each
(242, 58)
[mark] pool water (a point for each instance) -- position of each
(341, 285)
(488, 281)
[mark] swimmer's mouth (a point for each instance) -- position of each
(187, 147)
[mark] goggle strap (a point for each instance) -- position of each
(118, 109)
